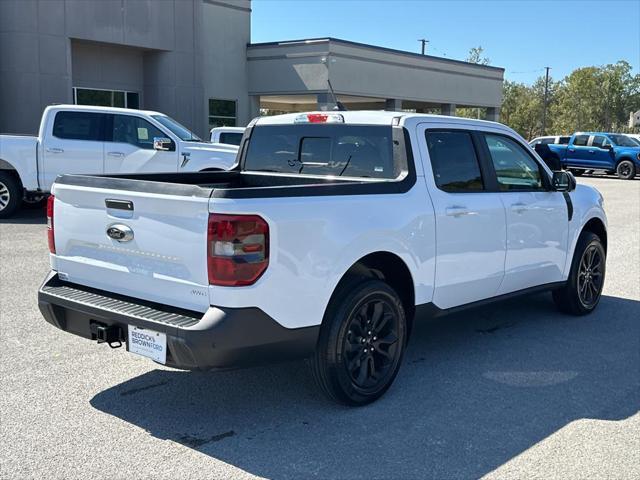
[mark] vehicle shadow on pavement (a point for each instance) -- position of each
(28, 216)
(476, 389)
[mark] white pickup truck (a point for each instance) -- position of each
(97, 140)
(336, 231)
(227, 135)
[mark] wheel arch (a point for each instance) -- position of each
(387, 266)
(596, 226)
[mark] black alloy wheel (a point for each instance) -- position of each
(361, 342)
(371, 345)
(590, 276)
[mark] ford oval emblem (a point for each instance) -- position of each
(120, 232)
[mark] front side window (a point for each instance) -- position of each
(222, 113)
(134, 131)
(581, 140)
(328, 150)
(454, 161)
(515, 168)
(78, 126)
(564, 140)
(599, 141)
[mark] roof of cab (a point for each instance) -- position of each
(95, 108)
(374, 117)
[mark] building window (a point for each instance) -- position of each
(222, 113)
(106, 98)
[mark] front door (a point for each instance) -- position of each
(129, 147)
(470, 219)
(601, 151)
(537, 218)
(75, 145)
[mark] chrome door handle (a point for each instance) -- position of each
(115, 154)
(519, 207)
(592, 151)
(55, 150)
(459, 211)
(572, 149)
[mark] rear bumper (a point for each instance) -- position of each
(220, 338)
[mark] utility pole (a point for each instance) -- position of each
(546, 96)
(424, 42)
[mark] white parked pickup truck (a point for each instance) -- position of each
(97, 140)
(227, 135)
(336, 231)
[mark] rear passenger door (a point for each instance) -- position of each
(537, 218)
(75, 145)
(129, 147)
(470, 217)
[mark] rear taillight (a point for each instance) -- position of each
(237, 249)
(50, 229)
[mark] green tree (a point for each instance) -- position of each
(474, 56)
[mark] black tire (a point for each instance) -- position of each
(36, 204)
(348, 353)
(10, 193)
(626, 170)
(576, 172)
(582, 292)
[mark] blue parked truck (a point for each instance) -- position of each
(612, 152)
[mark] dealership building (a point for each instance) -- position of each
(194, 60)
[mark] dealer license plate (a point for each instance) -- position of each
(148, 343)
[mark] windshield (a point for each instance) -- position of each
(183, 133)
(328, 150)
(623, 141)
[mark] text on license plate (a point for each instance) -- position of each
(148, 343)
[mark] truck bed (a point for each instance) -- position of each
(237, 184)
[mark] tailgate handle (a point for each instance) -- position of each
(119, 204)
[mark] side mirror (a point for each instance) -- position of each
(607, 147)
(563, 181)
(163, 144)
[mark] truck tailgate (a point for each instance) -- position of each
(165, 260)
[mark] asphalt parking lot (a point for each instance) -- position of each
(515, 390)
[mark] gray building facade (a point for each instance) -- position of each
(170, 55)
(193, 60)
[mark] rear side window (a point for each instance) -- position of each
(581, 140)
(328, 150)
(546, 141)
(230, 138)
(454, 161)
(78, 126)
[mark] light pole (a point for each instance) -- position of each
(546, 96)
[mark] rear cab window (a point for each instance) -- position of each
(363, 151)
(231, 138)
